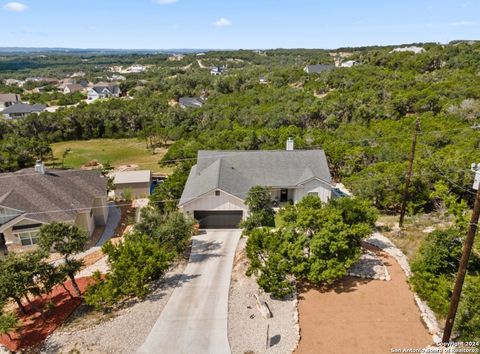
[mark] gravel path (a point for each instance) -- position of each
(123, 333)
(247, 329)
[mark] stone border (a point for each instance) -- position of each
(428, 317)
(296, 321)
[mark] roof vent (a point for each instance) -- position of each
(40, 167)
(290, 144)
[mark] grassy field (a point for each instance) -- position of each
(117, 152)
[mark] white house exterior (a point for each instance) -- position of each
(103, 90)
(32, 197)
(218, 185)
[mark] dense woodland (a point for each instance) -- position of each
(363, 116)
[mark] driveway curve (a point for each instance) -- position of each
(195, 317)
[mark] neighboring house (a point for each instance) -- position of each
(8, 99)
(136, 68)
(32, 197)
(349, 63)
(217, 70)
(412, 49)
(218, 184)
(190, 102)
(137, 183)
(72, 88)
(318, 68)
(21, 110)
(13, 82)
(103, 90)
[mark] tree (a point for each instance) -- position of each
(173, 230)
(259, 207)
(8, 322)
(134, 264)
(317, 242)
(24, 274)
(67, 240)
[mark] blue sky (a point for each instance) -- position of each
(163, 24)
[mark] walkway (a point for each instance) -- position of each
(114, 215)
(195, 318)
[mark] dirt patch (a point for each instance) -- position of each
(361, 315)
(34, 329)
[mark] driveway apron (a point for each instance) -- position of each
(195, 317)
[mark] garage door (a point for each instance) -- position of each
(218, 219)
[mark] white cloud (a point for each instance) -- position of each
(15, 7)
(223, 22)
(464, 23)
(165, 2)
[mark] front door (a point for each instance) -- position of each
(283, 195)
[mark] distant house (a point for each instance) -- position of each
(136, 68)
(13, 82)
(349, 63)
(32, 197)
(103, 90)
(72, 88)
(21, 110)
(137, 183)
(412, 49)
(190, 102)
(217, 70)
(218, 184)
(318, 68)
(8, 99)
(78, 74)
(263, 80)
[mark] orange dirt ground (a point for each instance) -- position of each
(361, 315)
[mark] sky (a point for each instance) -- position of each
(234, 24)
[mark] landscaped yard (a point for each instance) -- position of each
(117, 152)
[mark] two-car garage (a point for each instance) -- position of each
(218, 219)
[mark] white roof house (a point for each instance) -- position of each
(412, 49)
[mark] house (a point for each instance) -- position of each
(412, 49)
(218, 184)
(32, 197)
(190, 102)
(21, 110)
(13, 82)
(217, 71)
(137, 183)
(318, 68)
(349, 64)
(263, 80)
(136, 68)
(72, 88)
(103, 90)
(8, 99)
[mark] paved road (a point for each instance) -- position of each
(195, 318)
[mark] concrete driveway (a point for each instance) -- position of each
(195, 317)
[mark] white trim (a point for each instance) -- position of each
(211, 190)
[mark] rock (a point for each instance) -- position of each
(263, 307)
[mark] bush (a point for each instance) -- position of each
(134, 264)
(317, 243)
(468, 316)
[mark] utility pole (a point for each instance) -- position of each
(409, 172)
(462, 267)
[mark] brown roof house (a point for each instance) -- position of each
(32, 197)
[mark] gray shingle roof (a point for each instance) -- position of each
(235, 172)
(190, 102)
(24, 108)
(318, 68)
(53, 195)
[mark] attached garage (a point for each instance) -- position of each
(218, 219)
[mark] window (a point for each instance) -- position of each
(28, 238)
(313, 193)
(217, 193)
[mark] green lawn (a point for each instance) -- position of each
(115, 151)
